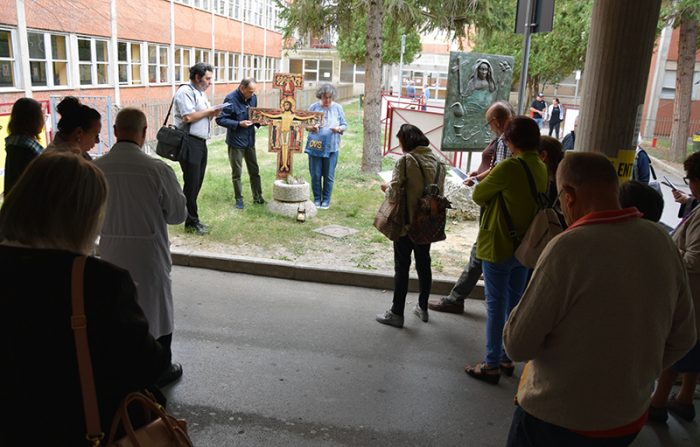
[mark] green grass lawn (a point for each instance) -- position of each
(356, 198)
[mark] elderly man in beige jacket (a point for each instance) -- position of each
(607, 309)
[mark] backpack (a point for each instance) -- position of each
(430, 216)
(543, 228)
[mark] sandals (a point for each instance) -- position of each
(484, 372)
(507, 368)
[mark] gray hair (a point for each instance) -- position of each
(130, 120)
(245, 82)
(326, 89)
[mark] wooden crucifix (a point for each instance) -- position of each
(287, 124)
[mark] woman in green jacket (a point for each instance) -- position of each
(504, 276)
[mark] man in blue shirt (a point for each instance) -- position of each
(240, 138)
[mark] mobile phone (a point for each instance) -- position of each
(668, 183)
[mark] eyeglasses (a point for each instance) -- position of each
(687, 180)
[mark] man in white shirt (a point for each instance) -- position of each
(193, 112)
(144, 197)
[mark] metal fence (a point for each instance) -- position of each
(102, 104)
(661, 127)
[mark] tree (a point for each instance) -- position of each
(352, 43)
(683, 14)
(317, 16)
(553, 55)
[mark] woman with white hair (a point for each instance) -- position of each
(324, 143)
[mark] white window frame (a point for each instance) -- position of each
(130, 65)
(201, 55)
(49, 60)
(16, 78)
(93, 62)
(221, 67)
(183, 68)
(158, 66)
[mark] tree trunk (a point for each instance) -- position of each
(684, 89)
(372, 150)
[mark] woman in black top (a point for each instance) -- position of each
(556, 115)
(52, 216)
(22, 145)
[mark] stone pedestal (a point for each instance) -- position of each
(286, 199)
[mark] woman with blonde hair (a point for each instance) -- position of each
(22, 144)
(52, 218)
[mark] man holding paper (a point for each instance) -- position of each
(240, 138)
(194, 113)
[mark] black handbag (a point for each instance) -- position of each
(172, 141)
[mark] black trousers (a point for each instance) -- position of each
(468, 279)
(554, 127)
(236, 155)
(402, 264)
(193, 169)
(166, 342)
(528, 431)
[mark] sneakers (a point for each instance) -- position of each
(171, 374)
(259, 201)
(447, 305)
(391, 319)
(239, 204)
(420, 313)
(199, 229)
(325, 205)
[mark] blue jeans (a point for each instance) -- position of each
(528, 431)
(322, 172)
(505, 282)
(539, 122)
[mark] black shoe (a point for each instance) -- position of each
(259, 201)
(171, 374)
(198, 229)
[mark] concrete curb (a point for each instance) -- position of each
(300, 272)
(666, 166)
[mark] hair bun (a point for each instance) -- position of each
(68, 105)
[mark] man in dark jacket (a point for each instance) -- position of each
(240, 138)
(569, 141)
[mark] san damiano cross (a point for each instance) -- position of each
(287, 124)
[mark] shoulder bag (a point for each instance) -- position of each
(543, 228)
(430, 215)
(392, 216)
(172, 141)
(162, 430)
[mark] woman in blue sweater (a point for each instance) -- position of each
(322, 162)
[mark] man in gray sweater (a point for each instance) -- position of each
(607, 309)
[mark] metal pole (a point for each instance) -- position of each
(403, 47)
(526, 58)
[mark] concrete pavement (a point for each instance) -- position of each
(277, 362)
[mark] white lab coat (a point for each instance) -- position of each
(144, 196)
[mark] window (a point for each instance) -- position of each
(221, 69)
(201, 56)
(202, 4)
(310, 70)
(158, 64)
(129, 60)
(93, 61)
(271, 18)
(296, 66)
(48, 59)
(325, 73)
(182, 64)
(258, 11)
(248, 11)
(7, 59)
(231, 66)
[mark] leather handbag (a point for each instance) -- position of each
(163, 429)
(430, 216)
(172, 141)
(392, 216)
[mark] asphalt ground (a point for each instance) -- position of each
(279, 362)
